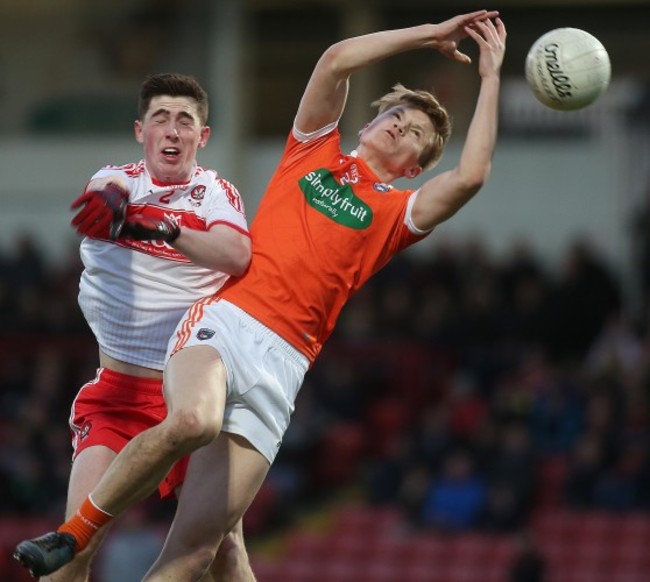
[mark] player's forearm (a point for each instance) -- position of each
(229, 253)
(358, 52)
(447, 194)
(99, 183)
(476, 156)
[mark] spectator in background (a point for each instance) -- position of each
(511, 475)
(585, 468)
(455, 498)
(586, 296)
(557, 414)
(503, 510)
(528, 563)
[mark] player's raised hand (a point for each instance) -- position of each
(450, 33)
(101, 209)
(491, 39)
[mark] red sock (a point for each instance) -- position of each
(85, 522)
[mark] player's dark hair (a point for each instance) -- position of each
(173, 85)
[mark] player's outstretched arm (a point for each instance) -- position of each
(442, 196)
(324, 98)
(222, 248)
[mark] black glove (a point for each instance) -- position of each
(140, 227)
(102, 213)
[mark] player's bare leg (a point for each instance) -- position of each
(232, 563)
(222, 480)
(194, 417)
(87, 469)
(195, 414)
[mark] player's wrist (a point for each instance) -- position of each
(174, 232)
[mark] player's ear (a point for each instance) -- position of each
(137, 129)
(413, 172)
(205, 135)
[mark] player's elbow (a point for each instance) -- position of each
(335, 60)
(240, 259)
(472, 180)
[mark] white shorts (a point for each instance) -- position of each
(264, 372)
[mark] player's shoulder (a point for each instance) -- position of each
(206, 176)
(210, 177)
(130, 170)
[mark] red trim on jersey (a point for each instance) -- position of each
(231, 225)
(168, 184)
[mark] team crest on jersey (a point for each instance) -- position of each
(197, 195)
(338, 202)
(205, 333)
(381, 187)
(198, 192)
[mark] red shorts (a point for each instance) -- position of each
(113, 408)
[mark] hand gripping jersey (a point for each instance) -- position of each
(133, 293)
(324, 226)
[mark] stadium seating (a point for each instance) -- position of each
(370, 544)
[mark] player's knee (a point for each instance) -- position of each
(188, 430)
(201, 559)
(231, 556)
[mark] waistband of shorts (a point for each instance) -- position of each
(113, 378)
(279, 342)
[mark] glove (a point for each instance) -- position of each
(140, 227)
(102, 212)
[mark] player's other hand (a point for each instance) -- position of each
(449, 34)
(140, 227)
(101, 211)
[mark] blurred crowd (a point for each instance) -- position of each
(464, 389)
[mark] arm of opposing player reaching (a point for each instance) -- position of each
(222, 248)
(442, 196)
(324, 98)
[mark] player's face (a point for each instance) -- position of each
(400, 135)
(171, 133)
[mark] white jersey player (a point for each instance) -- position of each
(159, 234)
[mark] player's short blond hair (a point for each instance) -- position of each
(427, 103)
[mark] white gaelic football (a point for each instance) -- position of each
(567, 69)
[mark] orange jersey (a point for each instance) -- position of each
(324, 226)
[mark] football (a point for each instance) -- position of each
(567, 69)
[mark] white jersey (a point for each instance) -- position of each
(133, 293)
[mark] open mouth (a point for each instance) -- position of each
(171, 153)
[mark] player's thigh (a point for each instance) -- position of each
(221, 482)
(195, 379)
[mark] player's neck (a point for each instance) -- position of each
(376, 165)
